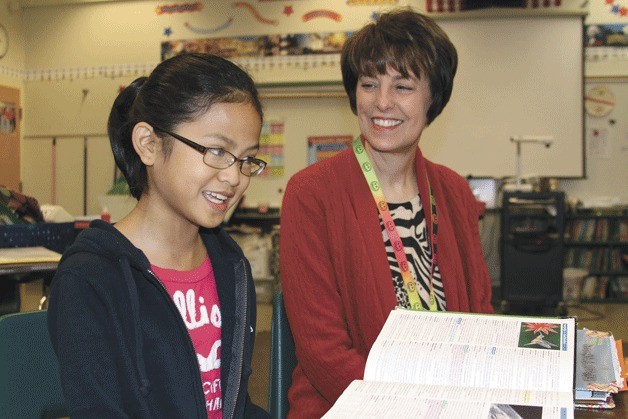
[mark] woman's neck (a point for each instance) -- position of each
(396, 173)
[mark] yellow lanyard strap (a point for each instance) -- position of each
(391, 229)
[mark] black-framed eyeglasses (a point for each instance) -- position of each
(219, 158)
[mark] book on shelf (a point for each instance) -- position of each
(595, 230)
(598, 259)
(590, 229)
(618, 288)
(598, 369)
(589, 287)
(453, 365)
(621, 232)
(601, 230)
(616, 260)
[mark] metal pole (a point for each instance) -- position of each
(85, 175)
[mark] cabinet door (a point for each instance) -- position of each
(10, 138)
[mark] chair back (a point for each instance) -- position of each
(282, 360)
(30, 384)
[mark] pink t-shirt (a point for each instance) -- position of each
(195, 295)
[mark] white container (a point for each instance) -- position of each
(573, 279)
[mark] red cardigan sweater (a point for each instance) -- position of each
(335, 276)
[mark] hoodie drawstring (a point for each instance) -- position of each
(134, 297)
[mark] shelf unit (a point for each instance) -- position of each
(596, 240)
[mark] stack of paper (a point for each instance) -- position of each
(18, 255)
(598, 370)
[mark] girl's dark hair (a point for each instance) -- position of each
(407, 42)
(178, 90)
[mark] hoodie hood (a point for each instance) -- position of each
(106, 241)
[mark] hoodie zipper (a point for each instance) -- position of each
(187, 334)
(244, 327)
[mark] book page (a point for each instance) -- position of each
(378, 399)
(471, 350)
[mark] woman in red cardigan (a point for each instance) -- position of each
(378, 225)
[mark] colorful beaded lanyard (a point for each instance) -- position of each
(391, 229)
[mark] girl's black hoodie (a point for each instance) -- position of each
(123, 348)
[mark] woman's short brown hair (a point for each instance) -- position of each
(408, 42)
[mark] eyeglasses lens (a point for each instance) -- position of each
(226, 159)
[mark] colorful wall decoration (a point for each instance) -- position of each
(323, 147)
(7, 118)
(448, 6)
(606, 43)
(179, 8)
(259, 46)
(271, 144)
(262, 55)
(618, 7)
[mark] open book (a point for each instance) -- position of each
(459, 365)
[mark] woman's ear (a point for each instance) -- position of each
(145, 143)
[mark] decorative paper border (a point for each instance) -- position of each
(256, 66)
(79, 73)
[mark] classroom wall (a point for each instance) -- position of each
(606, 136)
(128, 33)
(606, 152)
(63, 37)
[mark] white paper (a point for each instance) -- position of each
(598, 144)
(379, 399)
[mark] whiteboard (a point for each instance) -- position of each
(516, 76)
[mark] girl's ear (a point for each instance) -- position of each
(145, 143)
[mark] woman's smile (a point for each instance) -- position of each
(386, 123)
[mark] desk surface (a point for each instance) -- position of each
(25, 260)
(620, 410)
(26, 268)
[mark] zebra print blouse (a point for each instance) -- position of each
(411, 226)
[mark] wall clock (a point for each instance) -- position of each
(4, 41)
(599, 101)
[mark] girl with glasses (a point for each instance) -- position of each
(154, 316)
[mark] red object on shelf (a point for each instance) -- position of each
(105, 215)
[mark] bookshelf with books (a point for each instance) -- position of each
(596, 240)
